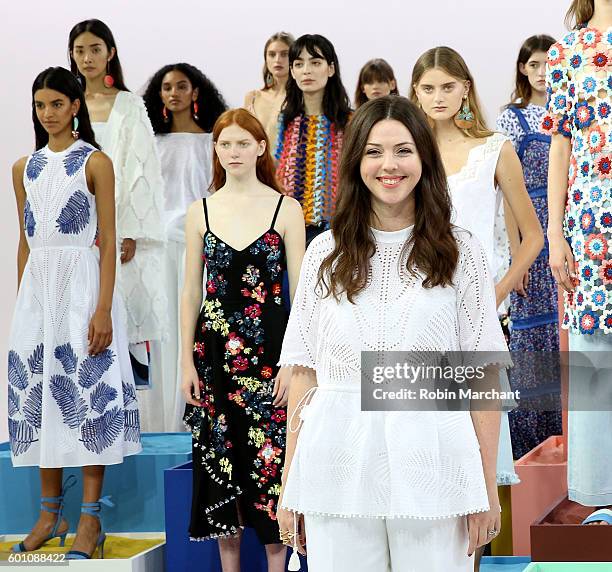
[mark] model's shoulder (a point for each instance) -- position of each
(19, 165)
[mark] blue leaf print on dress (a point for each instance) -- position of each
(75, 159)
(17, 374)
(101, 396)
(29, 223)
(129, 393)
(32, 408)
(21, 436)
(132, 425)
(93, 368)
(13, 402)
(35, 361)
(35, 165)
(74, 217)
(67, 357)
(99, 433)
(71, 404)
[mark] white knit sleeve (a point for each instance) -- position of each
(479, 327)
(139, 212)
(300, 341)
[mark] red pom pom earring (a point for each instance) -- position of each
(108, 80)
(195, 110)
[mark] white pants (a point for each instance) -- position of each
(387, 545)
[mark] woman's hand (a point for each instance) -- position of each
(190, 386)
(484, 526)
(281, 387)
(100, 334)
(287, 521)
(128, 249)
(561, 260)
(501, 293)
(521, 286)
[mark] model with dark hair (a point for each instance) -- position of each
(314, 116)
(373, 490)
(123, 129)
(579, 86)
(71, 396)
(376, 79)
(265, 103)
(183, 105)
(246, 234)
(533, 317)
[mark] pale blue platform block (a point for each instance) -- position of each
(504, 563)
(136, 487)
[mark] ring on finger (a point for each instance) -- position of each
(492, 532)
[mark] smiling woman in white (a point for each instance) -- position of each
(384, 491)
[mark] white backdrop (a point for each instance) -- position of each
(225, 40)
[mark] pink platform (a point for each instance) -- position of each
(543, 474)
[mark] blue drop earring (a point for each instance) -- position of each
(75, 127)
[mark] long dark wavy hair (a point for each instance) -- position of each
(102, 31)
(210, 102)
(432, 249)
(522, 88)
(374, 70)
(265, 170)
(336, 102)
(579, 13)
(60, 79)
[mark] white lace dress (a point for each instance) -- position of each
(66, 408)
(478, 208)
(388, 464)
(127, 138)
(186, 162)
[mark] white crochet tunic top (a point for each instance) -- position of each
(386, 464)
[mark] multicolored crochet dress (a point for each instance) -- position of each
(308, 153)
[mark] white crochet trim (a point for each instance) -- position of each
(386, 516)
(506, 478)
(214, 536)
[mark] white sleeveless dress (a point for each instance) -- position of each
(66, 408)
(478, 208)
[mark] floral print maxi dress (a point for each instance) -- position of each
(238, 435)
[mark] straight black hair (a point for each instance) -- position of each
(102, 31)
(60, 79)
(336, 102)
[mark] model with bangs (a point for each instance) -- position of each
(391, 274)
(245, 235)
(311, 126)
(376, 79)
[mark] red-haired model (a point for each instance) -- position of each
(245, 236)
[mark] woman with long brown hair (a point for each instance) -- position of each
(245, 235)
(372, 489)
(265, 103)
(579, 82)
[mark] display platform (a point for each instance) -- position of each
(558, 536)
(504, 563)
(135, 486)
(543, 474)
(123, 552)
(183, 554)
(569, 567)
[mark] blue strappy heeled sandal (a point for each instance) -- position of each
(70, 481)
(92, 509)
